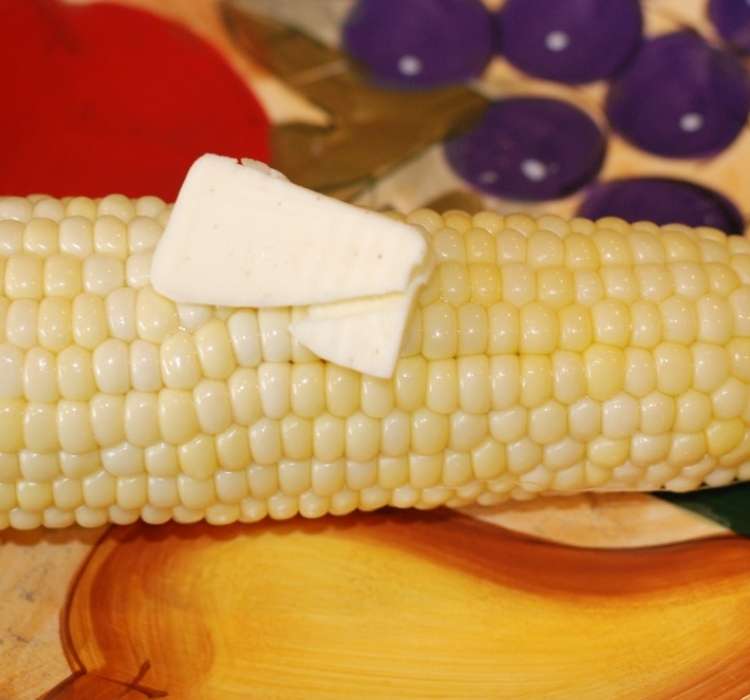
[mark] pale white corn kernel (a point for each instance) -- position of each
(110, 236)
(274, 384)
(22, 323)
(117, 205)
(231, 486)
(121, 314)
(15, 209)
(62, 276)
(89, 321)
(215, 350)
(111, 367)
(38, 466)
(198, 457)
(396, 434)
(179, 361)
(138, 270)
(275, 339)
(123, 460)
(156, 316)
(40, 427)
(193, 316)
(143, 234)
(144, 366)
(213, 406)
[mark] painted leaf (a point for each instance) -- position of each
(372, 129)
(729, 506)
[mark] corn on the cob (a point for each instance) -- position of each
(545, 356)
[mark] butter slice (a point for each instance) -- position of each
(245, 236)
(364, 335)
(241, 235)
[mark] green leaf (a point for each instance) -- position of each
(729, 506)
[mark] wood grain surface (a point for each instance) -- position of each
(42, 644)
(403, 605)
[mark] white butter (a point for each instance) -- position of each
(243, 235)
(365, 335)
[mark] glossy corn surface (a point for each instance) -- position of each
(545, 357)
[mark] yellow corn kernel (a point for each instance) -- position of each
(536, 380)
(518, 284)
(511, 247)
(24, 277)
(362, 438)
(545, 249)
(620, 416)
(108, 419)
(233, 448)
(55, 321)
(539, 329)
(22, 323)
(62, 277)
(605, 371)
(657, 413)
(274, 384)
(455, 283)
(523, 455)
(440, 335)
(377, 397)
(213, 406)
(449, 246)
(466, 430)
(472, 329)
(715, 319)
(396, 434)
(11, 371)
(102, 274)
(74, 428)
(123, 460)
(110, 362)
(75, 374)
(121, 313)
(693, 412)
(40, 428)
(509, 425)
(555, 287)
(488, 460)
(690, 279)
(548, 423)
(569, 376)
(674, 368)
(156, 316)
(581, 252)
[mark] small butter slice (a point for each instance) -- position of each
(243, 235)
(364, 335)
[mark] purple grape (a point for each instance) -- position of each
(680, 97)
(662, 201)
(529, 148)
(571, 41)
(420, 43)
(732, 20)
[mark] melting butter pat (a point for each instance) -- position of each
(242, 235)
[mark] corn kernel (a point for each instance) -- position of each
(536, 380)
(674, 368)
(539, 329)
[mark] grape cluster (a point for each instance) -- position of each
(674, 95)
